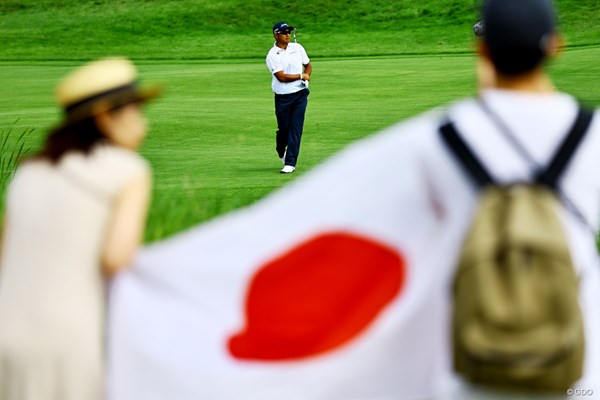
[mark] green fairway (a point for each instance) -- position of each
(211, 143)
(212, 139)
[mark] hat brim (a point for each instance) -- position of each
(280, 31)
(109, 101)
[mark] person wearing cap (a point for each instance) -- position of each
(75, 215)
(290, 68)
(436, 197)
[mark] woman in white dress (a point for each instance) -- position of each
(75, 216)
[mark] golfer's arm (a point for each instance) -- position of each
(281, 77)
(308, 70)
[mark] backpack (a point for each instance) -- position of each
(517, 322)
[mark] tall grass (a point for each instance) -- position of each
(14, 146)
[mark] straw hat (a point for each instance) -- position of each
(100, 86)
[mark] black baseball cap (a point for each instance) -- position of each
(282, 27)
(518, 33)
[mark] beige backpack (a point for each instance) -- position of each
(517, 321)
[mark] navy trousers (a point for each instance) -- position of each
(290, 109)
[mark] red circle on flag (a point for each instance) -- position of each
(316, 297)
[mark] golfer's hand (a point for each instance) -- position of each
(305, 77)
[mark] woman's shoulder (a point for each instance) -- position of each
(31, 168)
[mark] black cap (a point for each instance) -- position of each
(282, 27)
(518, 33)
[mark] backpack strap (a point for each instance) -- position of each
(563, 155)
(465, 156)
(548, 177)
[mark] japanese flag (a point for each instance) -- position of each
(326, 289)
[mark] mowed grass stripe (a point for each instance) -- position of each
(211, 142)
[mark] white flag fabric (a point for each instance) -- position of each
(335, 287)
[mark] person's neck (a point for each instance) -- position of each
(536, 81)
(281, 45)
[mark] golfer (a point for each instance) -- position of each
(75, 216)
(291, 69)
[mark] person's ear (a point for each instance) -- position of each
(483, 50)
(555, 45)
(486, 74)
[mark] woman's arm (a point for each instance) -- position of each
(126, 228)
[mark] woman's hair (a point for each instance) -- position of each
(80, 136)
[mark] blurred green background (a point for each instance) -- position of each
(211, 143)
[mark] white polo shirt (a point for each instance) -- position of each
(290, 61)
